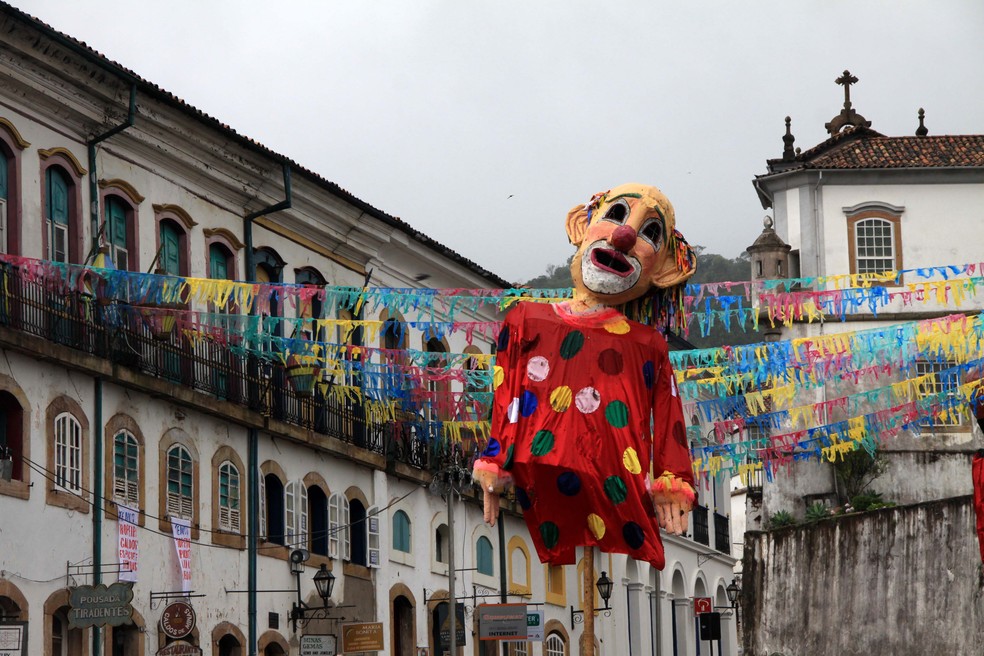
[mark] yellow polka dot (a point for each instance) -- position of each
(596, 525)
(560, 398)
(617, 327)
(631, 461)
(498, 375)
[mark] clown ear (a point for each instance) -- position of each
(676, 263)
(577, 223)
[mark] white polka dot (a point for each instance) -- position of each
(513, 411)
(537, 368)
(587, 400)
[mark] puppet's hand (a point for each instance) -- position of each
(673, 499)
(489, 477)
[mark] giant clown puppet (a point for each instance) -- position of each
(586, 404)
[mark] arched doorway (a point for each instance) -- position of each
(403, 633)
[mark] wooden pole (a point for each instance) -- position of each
(587, 603)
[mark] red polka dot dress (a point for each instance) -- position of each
(578, 403)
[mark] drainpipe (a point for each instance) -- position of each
(97, 434)
(93, 177)
(253, 434)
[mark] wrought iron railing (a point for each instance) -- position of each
(722, 533)
(700, 525)
(211, 364)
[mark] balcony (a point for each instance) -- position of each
(210, 362)
(722, 533)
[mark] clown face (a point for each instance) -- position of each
(622, 245)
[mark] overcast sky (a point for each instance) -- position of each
(481, 122)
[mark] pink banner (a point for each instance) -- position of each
(128, 543)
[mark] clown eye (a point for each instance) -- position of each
(652, 231)
(617, 212)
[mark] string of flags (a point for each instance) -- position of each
(754, 408)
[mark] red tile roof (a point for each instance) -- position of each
(904, 152)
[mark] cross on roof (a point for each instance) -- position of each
(847, 80)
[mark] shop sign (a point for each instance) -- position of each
(180, 648)
(99, 605)
(362, 636)
(318, 645)
(13, 638)
(178, 620)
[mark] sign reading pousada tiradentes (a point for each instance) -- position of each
(99, 605)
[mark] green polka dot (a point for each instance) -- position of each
(572, 344)
(617, 414)
(543, 443)
(507, 465)
(550, 534)
(615, 489)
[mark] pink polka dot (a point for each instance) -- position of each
(538, 368)
(587, 400)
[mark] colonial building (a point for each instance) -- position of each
(862, 202)
(186, 414)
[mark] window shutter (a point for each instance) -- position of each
(290, 513)
(3, 225)
(262, 509)
(334, 515)
(372, 523)
(346, 529)
(303, 538)
(173, 504)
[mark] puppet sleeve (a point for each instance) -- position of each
(672, 464)
(507, 383)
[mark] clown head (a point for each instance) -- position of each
(627, 245)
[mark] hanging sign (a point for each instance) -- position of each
(534, 625)
(702, 605)
(99, 605)
(181, 528)
(502, 622)
(128, 543)
(178, 620)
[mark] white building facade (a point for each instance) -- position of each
(97, 413)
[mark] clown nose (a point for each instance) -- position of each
(624, 238)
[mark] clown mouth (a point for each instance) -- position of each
(606, 270)
(611, 261)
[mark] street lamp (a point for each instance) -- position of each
(324, 581)
(604, 586)
(734, 591)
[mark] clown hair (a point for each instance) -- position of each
(662, 308)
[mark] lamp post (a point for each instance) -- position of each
(447, 482)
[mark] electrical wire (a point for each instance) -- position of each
(49, 475)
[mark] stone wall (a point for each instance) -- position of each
(905, 581)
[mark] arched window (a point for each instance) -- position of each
(126, 469)
(180, 483)
(58, 219)
(483, 556)
(360, 545)
(318, 505)
(310, 308)
(874, 237)
(229, 495)
(219, 262)
(554, 645)
(68, 453)
(12, 444)
(442, 542)
(401, 532)
(119, 217)
(438, 401)
(273, 498)
(172, 258)
(5, 163)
